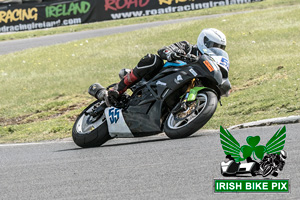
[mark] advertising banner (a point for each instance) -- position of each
(118, 9)
(23, 17)
(47, 15)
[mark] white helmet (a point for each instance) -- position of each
(211, 37)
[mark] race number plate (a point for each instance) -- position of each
(117, 126)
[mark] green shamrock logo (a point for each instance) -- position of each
(250, 149)
(233, 148)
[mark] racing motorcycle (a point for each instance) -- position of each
(272, 164)
(179, 100)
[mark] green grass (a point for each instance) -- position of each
(111, 23)
(43, 89)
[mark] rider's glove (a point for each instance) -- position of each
(174, 55)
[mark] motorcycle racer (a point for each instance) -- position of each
(151, 64)
(277, 161)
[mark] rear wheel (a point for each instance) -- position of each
(90, 130)
(197, 113)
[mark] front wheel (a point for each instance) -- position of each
(90, 130)
(267, 170)
(197, 113)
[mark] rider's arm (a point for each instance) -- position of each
(182, 47)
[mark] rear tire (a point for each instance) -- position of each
(90, 131)
(207, 102)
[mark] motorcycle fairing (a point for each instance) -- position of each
(144, 111)
(143, 116)
(175, 63)
(174, 78)
(144, 120)
(117, 126)
(196, 69)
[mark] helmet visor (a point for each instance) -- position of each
(219, 46)
(210, 44)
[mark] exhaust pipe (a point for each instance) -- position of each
(98, 91)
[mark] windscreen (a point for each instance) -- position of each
(220, 56)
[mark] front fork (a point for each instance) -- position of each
(189, 96)
(191, 93)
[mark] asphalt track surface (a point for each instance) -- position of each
(137, 168)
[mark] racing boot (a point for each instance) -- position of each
(128, 80)
(147, 66)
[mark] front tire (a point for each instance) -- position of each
(89, 131)
(201, 110)
(267, 170)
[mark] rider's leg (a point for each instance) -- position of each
(147, 67)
